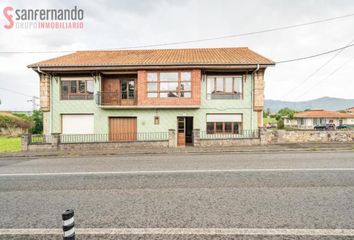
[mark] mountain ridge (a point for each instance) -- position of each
(327, 103)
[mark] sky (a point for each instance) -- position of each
(119, 24)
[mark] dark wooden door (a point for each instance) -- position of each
(110, 91)
(122, 129)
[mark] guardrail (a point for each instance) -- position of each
(115, 99)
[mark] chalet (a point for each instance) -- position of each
(125, 93)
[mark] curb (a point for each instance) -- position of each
(5, 156)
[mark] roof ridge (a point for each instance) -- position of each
(160, 49)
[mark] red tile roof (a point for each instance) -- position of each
(158, 57)
(350, 109)
(322, 114)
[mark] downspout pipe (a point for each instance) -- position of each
(40, 71)
(256, 69)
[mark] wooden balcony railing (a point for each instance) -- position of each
(115, 99)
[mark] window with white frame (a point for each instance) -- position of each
(224, 87)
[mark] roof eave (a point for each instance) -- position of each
(68, 67)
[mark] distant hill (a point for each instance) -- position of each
(328, 103)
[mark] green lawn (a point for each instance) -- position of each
(10, 144)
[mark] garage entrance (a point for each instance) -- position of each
(122, 129)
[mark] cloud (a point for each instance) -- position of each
(114, 24)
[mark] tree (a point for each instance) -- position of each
(285, 112)
(37, 117)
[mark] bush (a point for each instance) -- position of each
(12, 121)
(37, 118)
(280, 124)
(10, 124)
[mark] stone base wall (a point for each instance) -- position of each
(266, 137)
(283, 136)
(40, 147)
(111, 145)
(229, 142)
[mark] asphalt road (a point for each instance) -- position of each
(303, 191)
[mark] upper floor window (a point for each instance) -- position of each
(169, 84)
(77, 89)
(224, 87)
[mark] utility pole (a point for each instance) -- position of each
(34, 104)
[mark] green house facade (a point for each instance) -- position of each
(132, 94)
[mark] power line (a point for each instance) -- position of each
(315, 55)
(316, 71)
(13, 91)
(324, 79)
(198, 40)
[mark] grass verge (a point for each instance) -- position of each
(10, 144)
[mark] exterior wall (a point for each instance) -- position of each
(242, 106)
(258, 95)
(46, 119)
(44, 88)
(308, 122)
(145, 117)
(348, 121)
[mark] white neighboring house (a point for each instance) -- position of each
(318, 117)
(350, 110)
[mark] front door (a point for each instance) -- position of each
(181, 131)
(122, 129)
(184, 131)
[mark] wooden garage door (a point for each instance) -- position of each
(122, 129)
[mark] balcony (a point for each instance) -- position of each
(224, 95)
(115, 99)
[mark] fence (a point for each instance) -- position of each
(240, 135)
(40, 139)
(121, 137)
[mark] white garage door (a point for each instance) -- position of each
(77, 124)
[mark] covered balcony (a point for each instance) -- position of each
(117, 92)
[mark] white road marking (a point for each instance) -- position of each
(176, 171)
(184, 231)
